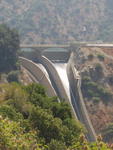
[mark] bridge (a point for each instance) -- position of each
(56, 52)
(69, 47)
(61, 78)
(43, 47)
(52, 52)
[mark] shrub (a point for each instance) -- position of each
(54, 128)
(56, 145)
(50, 128)
(95, 91)
(90, 93)
(84, 145)
(34, 88)
(98, 67)
(90, 57)
(13, 76)
(100, 57)
(99, 70)
(110, 65)
(12, 136)
(61, 110)
(110, 79)
(86, 79)
(8, 111)
(96, 100)
(15, 96)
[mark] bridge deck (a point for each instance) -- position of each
(100, 45)
(44, 46)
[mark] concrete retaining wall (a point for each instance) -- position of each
(82, 108)
(36, 71)
(79, 105)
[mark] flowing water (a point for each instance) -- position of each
(61, 69)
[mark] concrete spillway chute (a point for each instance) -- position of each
(70, 88)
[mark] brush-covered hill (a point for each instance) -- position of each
(95, 66)
(59, 21)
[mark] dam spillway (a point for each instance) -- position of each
(61, 69)
(64, 86)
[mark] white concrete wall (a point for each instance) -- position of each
(38, 74)
(84, 117)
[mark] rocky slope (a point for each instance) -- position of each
(96, 68)
(56, 21)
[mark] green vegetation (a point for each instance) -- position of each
(98, 68)
(9, 46)
(13, 136)
(84, 145)
(30, 108)
(110, 79)
(13, 76)
(90, 57)
(108, 133)
(98, 71)
(94, 91)
(100, 57)
(56, 145)
(29, 119)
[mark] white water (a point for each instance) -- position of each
(61, 69)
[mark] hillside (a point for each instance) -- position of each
(29, 119)
(96, 68)
(55, 21)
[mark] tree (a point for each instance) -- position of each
(49, 127)
(9, 46)
(13, 76)
(61, 110)
(56, 145)
(83, 144)
(13, 136)
(10, 112)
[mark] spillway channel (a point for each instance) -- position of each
(61, 69)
